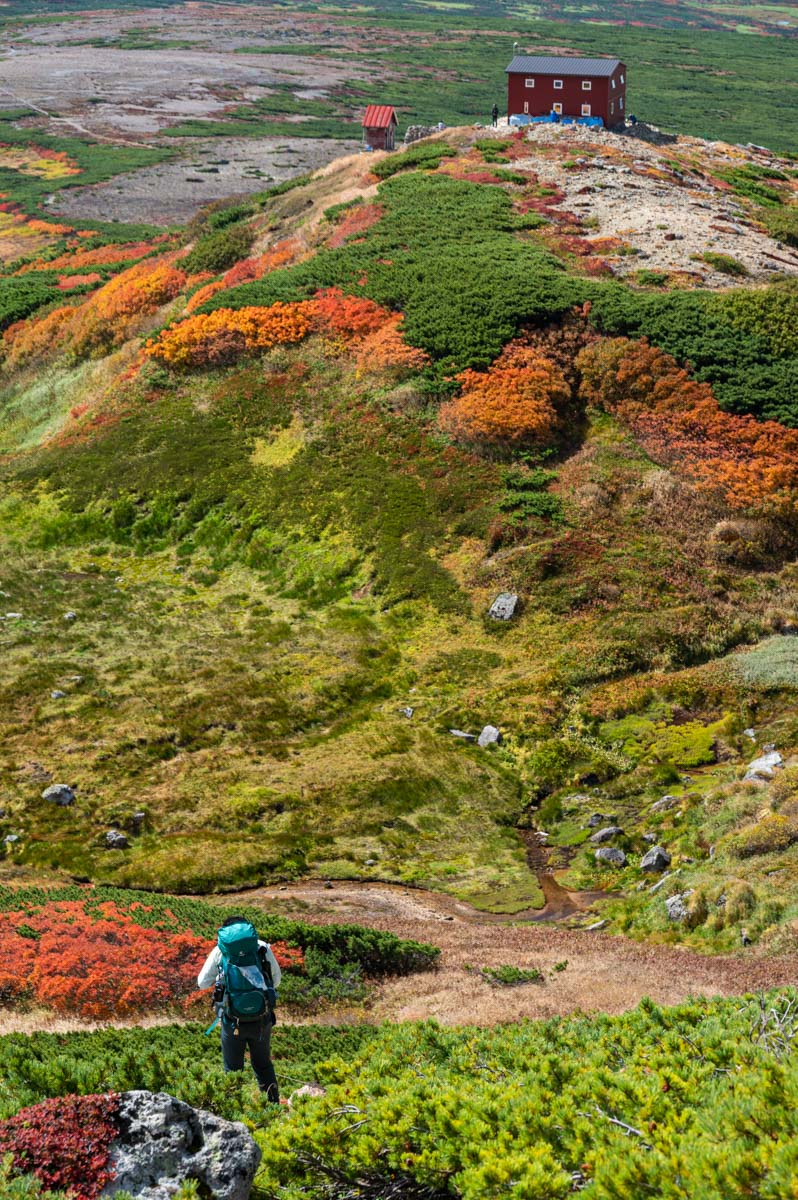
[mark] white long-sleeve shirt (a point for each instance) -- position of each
(207, 976)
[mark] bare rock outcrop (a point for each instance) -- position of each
(164, 1142)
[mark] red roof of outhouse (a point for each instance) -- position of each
(379, 116)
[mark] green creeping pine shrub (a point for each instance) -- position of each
(725, 263)
(679, 1103)
(171, 1058)
(446, 255)
(526, 495)
(21, 296)
(221, 249)
(23, 1187)
(229, 216)
(493, 150)
(769, 313)
(423, 156)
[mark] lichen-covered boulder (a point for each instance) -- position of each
(163, 1143)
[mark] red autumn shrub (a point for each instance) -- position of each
(65, 1142)
(113, 313)
(349, 317)
(747, 463)
(515, 403)
(355, 223)
(76, 260)
(67, 282)
(103, 964)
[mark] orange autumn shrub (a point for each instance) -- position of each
(745, 462)
(387, 350)
(202, 294)
(29, 340)
(112, 314)
(220, 337)
(511, 405)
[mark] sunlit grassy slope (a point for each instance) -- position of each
(251, 606)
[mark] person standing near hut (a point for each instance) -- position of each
(494, 115)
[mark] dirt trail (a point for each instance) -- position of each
(603, 972)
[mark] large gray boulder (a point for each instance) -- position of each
(655, 860)
(606, 834)
(164, 1142)
(60, 794)
(610, 856)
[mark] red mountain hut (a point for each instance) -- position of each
(576, 88)
(379, 127)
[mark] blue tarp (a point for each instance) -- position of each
(525, 119)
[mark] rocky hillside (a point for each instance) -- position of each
(264, 479)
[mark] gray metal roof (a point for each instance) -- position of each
(524, 65)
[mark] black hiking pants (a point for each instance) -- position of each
(257, 1037)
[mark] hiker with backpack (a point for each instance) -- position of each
(245, 976)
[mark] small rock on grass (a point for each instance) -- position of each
(60, 794)
(611, 856)
(504, 607)
(676, 907)
(116, 840)
(465, 737)
(656, 859)
(762, 769)
(606, 834)
(490, 736)
(667, 802)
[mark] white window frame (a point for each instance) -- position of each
(586, 110)
(612, 82)
(558, 109)
(622, 79)
(620, 103)
(558, 85)
(526, 107)
(587, 86)
(529, 82)
(612, 108)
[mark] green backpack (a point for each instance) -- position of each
(248, 989)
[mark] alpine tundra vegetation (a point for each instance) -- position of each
(406, 555)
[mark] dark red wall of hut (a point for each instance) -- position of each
(381, 139)
(605, 101)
